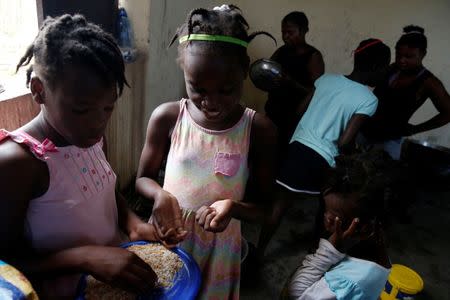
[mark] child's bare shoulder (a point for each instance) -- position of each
(12, 153)
(163, 119)
(166, 113)
(17, 163)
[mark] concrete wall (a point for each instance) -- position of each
(336, 27)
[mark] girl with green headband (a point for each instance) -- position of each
(216, 146)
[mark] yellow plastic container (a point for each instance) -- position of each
(403, 283)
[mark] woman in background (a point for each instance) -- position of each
(406, 87)
(302, 63)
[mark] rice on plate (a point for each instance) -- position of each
(164, 262)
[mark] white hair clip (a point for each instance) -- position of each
(222, 8)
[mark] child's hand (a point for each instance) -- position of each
(144, 231)
(147, 232)
(216, 217)
(167, 218)
(121, 268)
(343, 240)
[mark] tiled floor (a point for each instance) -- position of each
(423, 245)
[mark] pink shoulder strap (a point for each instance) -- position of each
(37, 148)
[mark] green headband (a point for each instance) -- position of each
(213, 38)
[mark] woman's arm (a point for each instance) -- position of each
(441, 100)
(316, 66)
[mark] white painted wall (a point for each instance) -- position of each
(336, 27)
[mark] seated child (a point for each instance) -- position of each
(352, 263)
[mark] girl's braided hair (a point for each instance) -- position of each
(69, 40)
(227, 20)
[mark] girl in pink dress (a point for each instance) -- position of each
(60, 214)
(216, 146)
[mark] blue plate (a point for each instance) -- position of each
(186, 282)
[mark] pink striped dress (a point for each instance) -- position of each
(204, 166)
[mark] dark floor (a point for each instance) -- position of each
(423, 245)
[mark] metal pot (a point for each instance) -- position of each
(268, 75)
(265, 74)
